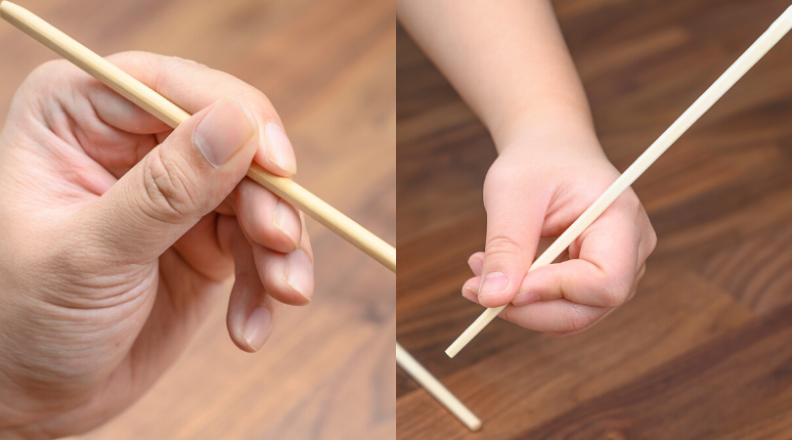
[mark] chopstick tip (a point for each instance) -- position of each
(5, 7)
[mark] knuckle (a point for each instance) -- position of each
(499, 176)
(613, 297)
(45, 70)
(652, 239)
(178, 67)
(135, 56)
(607, 296)
(631, 207)
(502, 245)
(167, 188)
(185, 61)
(257, 102)
(629, 199)
(614, 293)
(41, 77)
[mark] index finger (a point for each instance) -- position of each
(193, 86)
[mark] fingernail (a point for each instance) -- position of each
(299, 273)
(279, 148)
(286, 221)
(493, 284)
(525, 298)
(223, 131)
(469, 293)
(257, 328)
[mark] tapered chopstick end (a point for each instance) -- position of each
(7, 9)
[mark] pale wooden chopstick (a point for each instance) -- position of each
(173, 115)
(436, 389)
(764, 43)
(287, 189)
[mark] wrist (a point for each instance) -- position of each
(542, 125)
(552, 143)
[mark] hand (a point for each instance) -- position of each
(536, 188)
(118, 235)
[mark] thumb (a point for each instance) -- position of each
(175, 184)
(514, 225)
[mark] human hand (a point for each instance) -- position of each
(118, 235)
(538, 186)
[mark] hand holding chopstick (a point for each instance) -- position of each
(765, 42)
(285, 188)
(171, 114)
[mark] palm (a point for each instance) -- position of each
(135, 328)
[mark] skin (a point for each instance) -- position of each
(508, 60)
(120, 235)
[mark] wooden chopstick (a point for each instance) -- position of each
(436, 389)
(173, 115)
(287, 189)
(761, 46)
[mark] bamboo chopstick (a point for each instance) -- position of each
(173, 115)
(287, 189)
(763, 44)
(436, 389)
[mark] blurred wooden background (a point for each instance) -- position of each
(329, 68)
(704, 350)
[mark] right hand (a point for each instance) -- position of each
(119, 234)
(537, 187)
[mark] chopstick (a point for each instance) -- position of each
(758, 49)
(436, 389)
(285, 188)
(168, 112)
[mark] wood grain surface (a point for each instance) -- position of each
(703, 350)
(329, 68)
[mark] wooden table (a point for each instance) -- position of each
(704, 350)
(329, 68)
